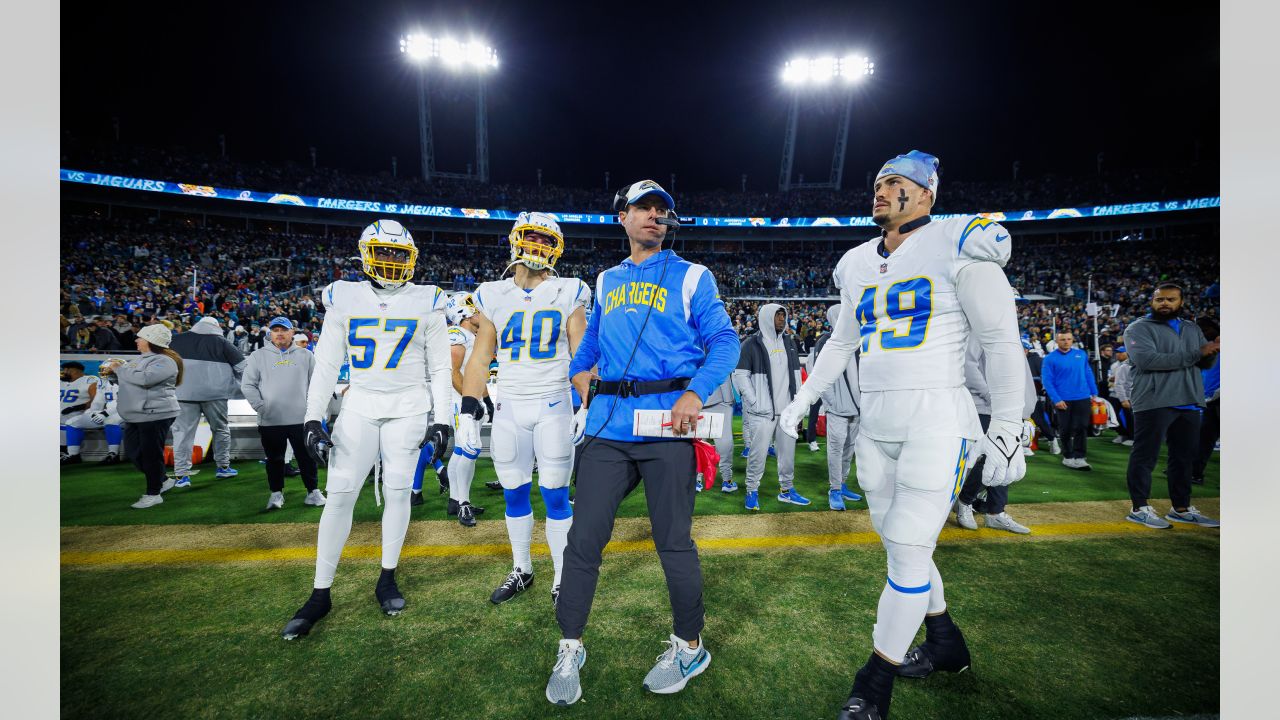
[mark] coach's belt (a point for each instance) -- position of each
(632, 388)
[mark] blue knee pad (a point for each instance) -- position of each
(518, 501)
(557, 502)
(75, 436)
(114, 433)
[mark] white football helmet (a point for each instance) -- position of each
(461, 306)
(388, 253)
(534, 254)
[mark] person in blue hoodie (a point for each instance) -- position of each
(660, 339)
(1069, 383)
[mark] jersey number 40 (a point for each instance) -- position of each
(543, 333)
(910, 300)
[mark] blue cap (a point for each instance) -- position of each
(918, 167)
(1121, 349)
(1026, 344)
(281, 321)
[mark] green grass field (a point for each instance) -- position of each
(1090, 626)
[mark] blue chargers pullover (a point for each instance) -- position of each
(689, 335)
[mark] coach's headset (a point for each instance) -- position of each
(672, 223)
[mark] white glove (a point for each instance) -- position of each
(580, 425)
(1028, 433)
(99, 418)
(793, 413)
(1002, 447)
(466, 435)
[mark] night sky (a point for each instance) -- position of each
(651, 89)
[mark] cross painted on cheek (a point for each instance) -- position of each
(902, 199)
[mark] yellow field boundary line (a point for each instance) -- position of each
(208, 556)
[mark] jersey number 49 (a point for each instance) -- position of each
(910, 300)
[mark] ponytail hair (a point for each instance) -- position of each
(176, 359)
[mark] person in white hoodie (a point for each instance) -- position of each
(843, 405)
(767, 377)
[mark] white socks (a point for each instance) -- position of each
(520, 530)
(395, 525)
(461, 471)
(557, 539)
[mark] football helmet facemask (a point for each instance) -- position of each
(536, 241)
(388, 253)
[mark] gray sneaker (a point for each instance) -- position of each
(1004, 522)
(1146, 515)
(1192, 517)
(564, 688)
(276, 501)
(676, 666)
(964, 516)
(1055, 447)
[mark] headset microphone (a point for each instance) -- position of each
(669, 222)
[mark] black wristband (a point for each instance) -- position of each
(471, 406)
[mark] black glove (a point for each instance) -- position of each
(439, 437)
(488, 407)
(318, 441)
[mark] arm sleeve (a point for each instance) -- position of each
(836, 354)
(439, 366)
(1144, 356)
(974, 379)
(588, 354)
(330, 353)
(1029, 398)
(153, 374)
(249, 385)
(987, 301)
(717, 335)
(1048, 377)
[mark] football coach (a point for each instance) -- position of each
(661, 340)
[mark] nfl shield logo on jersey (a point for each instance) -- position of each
(383, 306)
(884, 268)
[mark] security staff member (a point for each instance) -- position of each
(654, 314)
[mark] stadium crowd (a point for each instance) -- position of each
(1040, 192)
(119, 275)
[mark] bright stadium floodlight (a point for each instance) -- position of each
(473, 57)
(819, 72)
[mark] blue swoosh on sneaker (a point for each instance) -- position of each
(686, 669)
(554, 403)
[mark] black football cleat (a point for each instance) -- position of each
(291, 471)
(415, 499)
(515, 583)
(388, 595)
(451, 507)
(110, 459)
(315, 608)
(856, 708)
(493, 485)
(467, 515)
(944, 649)
(443, 479)
(72, 459)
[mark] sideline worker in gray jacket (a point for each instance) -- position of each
(276, 379)
(721, 402)
(1167, 399)
(148, 404)
(212, 377)
(767, 378)
(842, 403)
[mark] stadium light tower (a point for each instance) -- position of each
(825, 73)
(455, 57)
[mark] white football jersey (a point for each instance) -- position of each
(395, 343)
(76, 392)
(105, 400)
(912, 329)
(532, 341)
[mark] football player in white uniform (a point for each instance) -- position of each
(910, 299)
(462, 466)
(393, 332)
(102, 413)
(77, 392)
(536, 321)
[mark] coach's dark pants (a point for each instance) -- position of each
(997, 497)
(144, 445)
(1150, 428)
(1074, 423)
(274, 438)
(607, 472)
(1210, 429)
